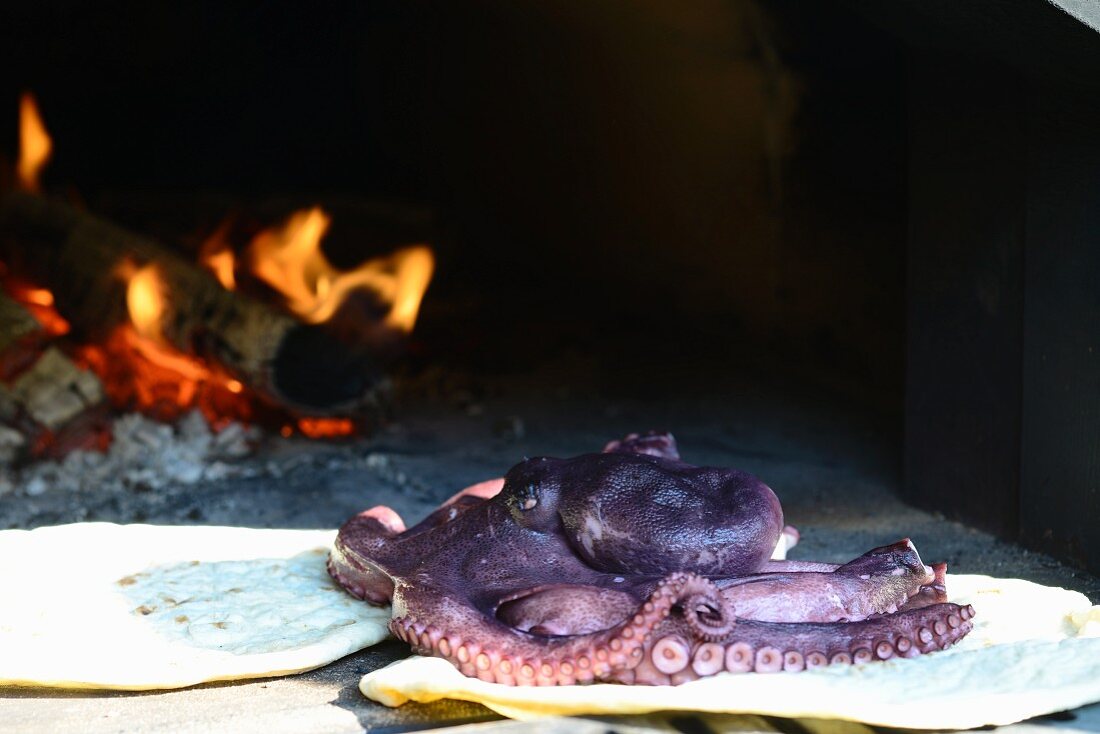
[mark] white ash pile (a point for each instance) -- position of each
(144, 454)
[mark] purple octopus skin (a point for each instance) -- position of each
(632, 566)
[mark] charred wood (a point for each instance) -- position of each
(22, 338)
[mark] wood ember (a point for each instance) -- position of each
(77, 257)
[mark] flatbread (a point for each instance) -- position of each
(1034, 650)
(98, 605)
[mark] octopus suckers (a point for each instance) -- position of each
(739, 657)
(840, 658)
(708, 659)
(670, 655)
(793, 661)
(816, 660)
(768, 660)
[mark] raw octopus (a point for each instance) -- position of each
(634, 567)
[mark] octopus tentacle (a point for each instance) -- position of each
(370, 531)
(652, 443)
(347, 562)
(934, 592)
(492, 652)
(670, 656)
(878, 582)
(708, 614)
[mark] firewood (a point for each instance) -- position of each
(16, 322)
(21, 337)
(78, 256)
(55, 390)
(48, 403)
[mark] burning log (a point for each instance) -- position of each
(78, 257)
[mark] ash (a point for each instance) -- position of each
(144, 455)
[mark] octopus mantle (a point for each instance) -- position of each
(634, 567)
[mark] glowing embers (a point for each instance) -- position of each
(324, 427)
(34, 144)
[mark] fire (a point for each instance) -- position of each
(217, 256)
(34, 144)
(39, 302)
(141, 369)
(145, 301)
(289, 259)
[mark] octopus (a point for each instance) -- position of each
(632, 566)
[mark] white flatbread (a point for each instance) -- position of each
(1034, 650)
(98, 605)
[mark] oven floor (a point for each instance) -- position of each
(832, 463)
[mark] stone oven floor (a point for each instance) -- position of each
(833, 463)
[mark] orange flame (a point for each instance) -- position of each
(217, 256)
(289, 259)
(39, 302)
(145, 301)
(141, 369)
(22, 351)
(34, 144)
